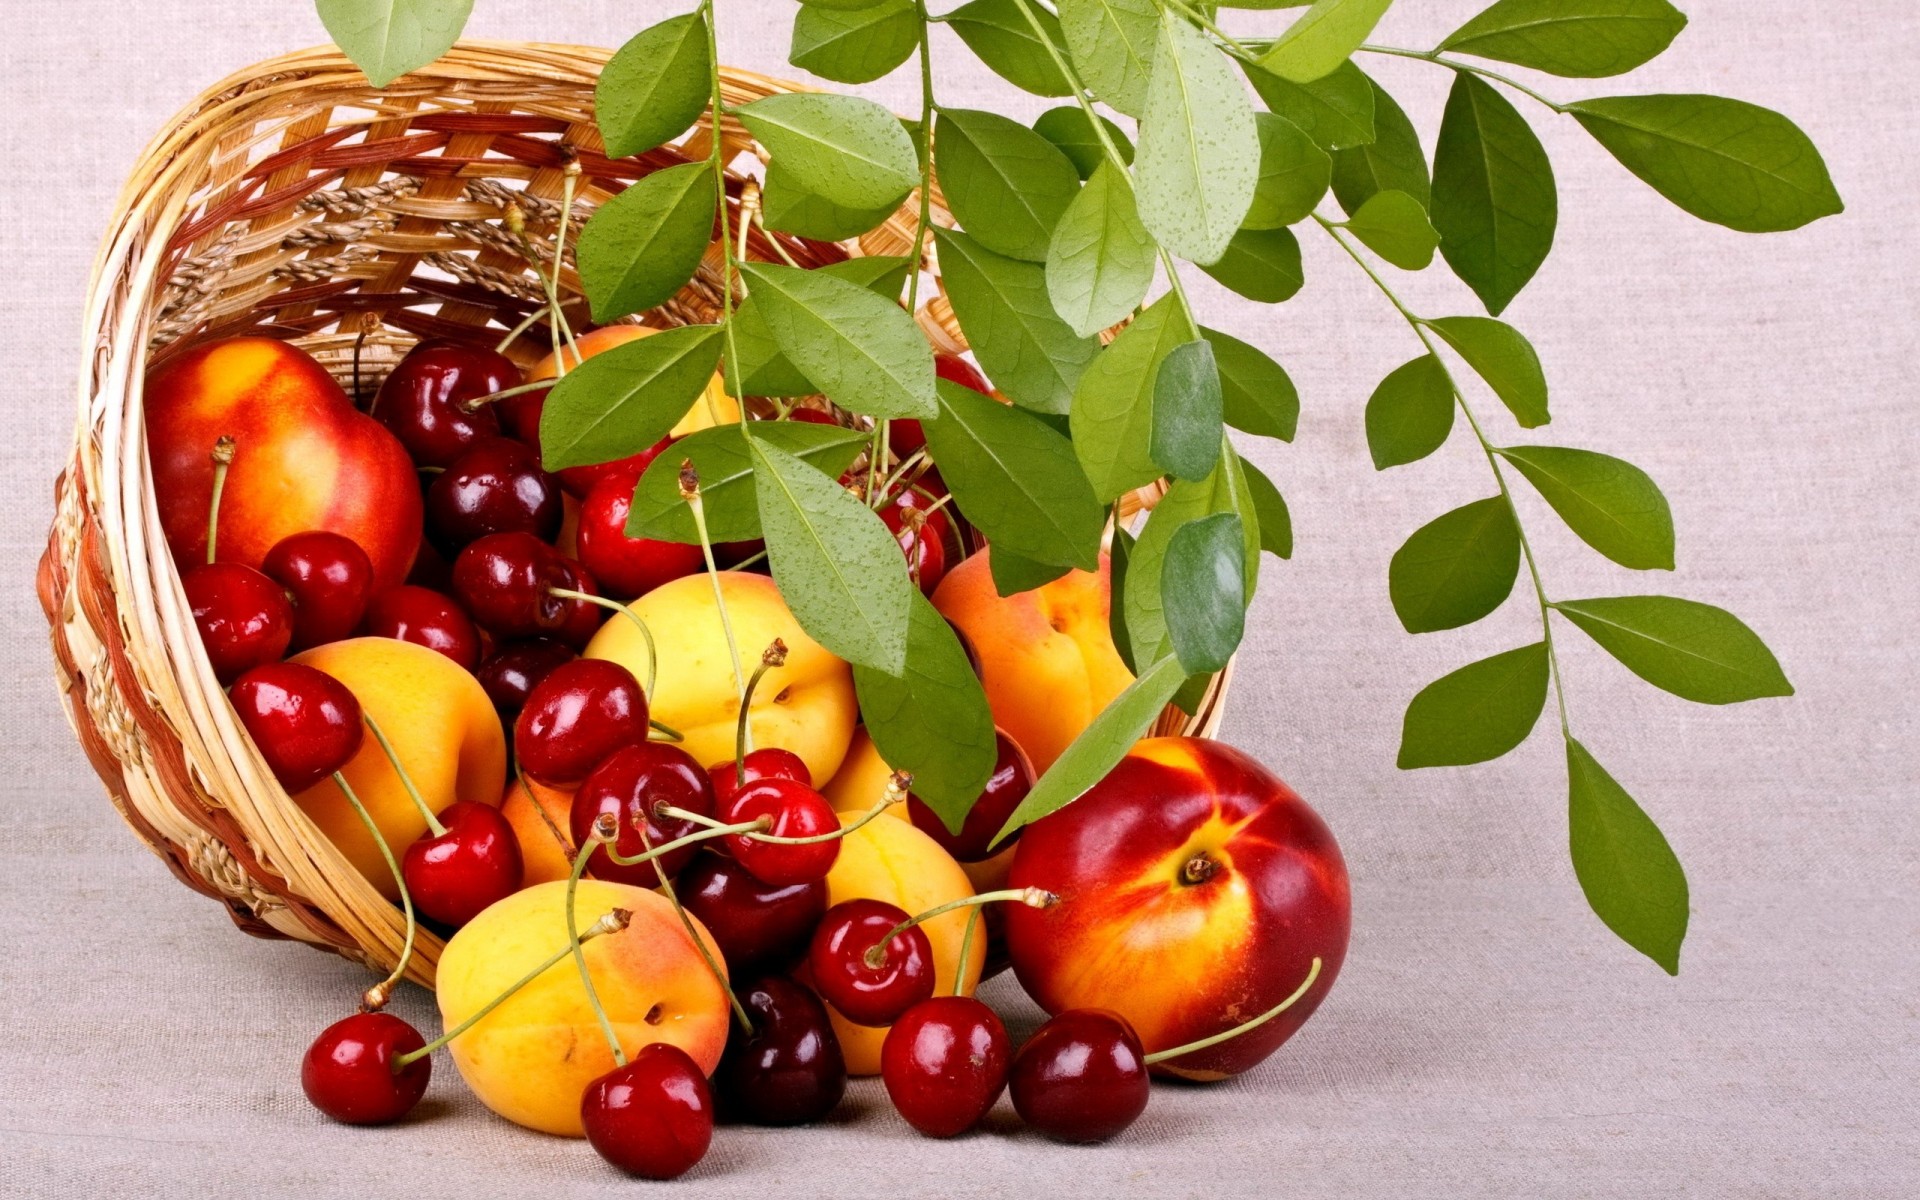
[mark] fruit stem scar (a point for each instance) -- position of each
(646, 635)
(375, 997)
(1313, 973)
(406, 780)
(1200, 868)
(1032, 897)
(222, 455)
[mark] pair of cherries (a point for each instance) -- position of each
(312, 587)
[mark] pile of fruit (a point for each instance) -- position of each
(677, 875)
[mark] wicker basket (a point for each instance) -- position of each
(295, 201)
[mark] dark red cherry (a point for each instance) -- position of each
(1082, 1077)
(575, 717)
(244, 617)
(758, 926)
(627, 567)
(768, 762)
(423, 400)
(580, 481)
(633, 785)
(653, 1117)
(583, 619)
(425, 618)
(330, 579)
(495, 486)
(348, 1071)
(512, 671)
(792, 810)
(869, 977)
(305, 722)
(945, 1062)
(923, 536)
(454, 875)
(1009, 784)
(812, 416)
(506, 581)
(520, 416)
(789, 1070)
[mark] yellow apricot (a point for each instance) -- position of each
(714, 407)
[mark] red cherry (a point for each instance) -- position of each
(305, 722)
(923, 536)
(520, 416)
(954, 369)
(793, 810)
(758, 926)
(1082, 1077)
(496, 486)
(945, 1062)
(864, 992)
(812, 416)
(456, 874)
(1009, 784)
(768, 762)
(632, 785)
(423, 400)
(627, 566)
(244, 617)
(653, 1117)
(348, 1071)
(512, 671)
(330, 579)
(789, 1069)
(425, 618)
(506, 581)
(575, 717)
(580, 481)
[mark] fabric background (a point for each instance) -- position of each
(1488, 1037)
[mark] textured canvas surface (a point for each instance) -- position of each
(1488, 1037)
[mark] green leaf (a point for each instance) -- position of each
(1068, 128)
(1007, 185)
(855, 46)
(1002, 305)
(1112, 418)
(1392, 161)
(1456, 568)
(1294, 174)
(653, 87)
(861, 350)
(1100, 746)
(1322, 38)
(1410, 414)
(849, 152)
(1100, 262)
(388, 38)
(1696, 651)
(1477, 713)
(1725, 161)
(1226, 490)
(933, 719)
(1276, 523)
(727, 498)
(1629, 873)
(644, 244)
(1015, 479)
(1579, 39)
(1000, 36)
(1118, 555)
(1013, 574)
(1112, 44)
(1200, 591)
(837, 564)
(1336, 112)
(1613, 505)
(1499, 354)
(790, 208)
(1187, 429)
(1256, 393)
(1394, 226)
(760, 369)
(1199, 149)
(1494, 201)
(1260, 264)
(623, 401)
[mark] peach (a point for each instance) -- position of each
(530, 1058)
(714, 407)
(538, 815)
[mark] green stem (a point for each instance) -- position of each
(966, 952)
(1433, 56)
(222, 459)
(700, 943)
(729, 268)
(406, 780)
(758, 825)
(646, 635)
(1228, 42)
(568, 188)
(690, 492)
(773, 656)
(876, 955)
(513, 335)
(381, 990)
(593, 840)
(479, 402)
(1313, 973)
(926, 162)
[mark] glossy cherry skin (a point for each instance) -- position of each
(945, 1062)
(653, 1117)
(454, 875)
(305, 722)
(768, 762)
(506, 581)
(1009, 784)
(330, 579)
(580, 481)
(793, 810)
(578, 715)
(512, 671)
(1082, 1077)
(496, 486)
(244, 618)
(423, 400)
(632, 784)
(863, 993)
(789, 1070)
(348, 1071)
(923, 536)
(627, 567)
(758, 926)
(425, 618)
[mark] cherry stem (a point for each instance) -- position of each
(873, 458)
(568, 188)
(562, 840)
(668, 733)
(774, 655)
(513, 335)
(479, 402)
(375, 998)
(704, 835)
(1032, 897)
(646, 635)
(700, 943)
(1313, 973)
(601, 836)
(616, 920)
(690, 492)
(912, 460)
(406, 780)
(966, 952)
(222, 459)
